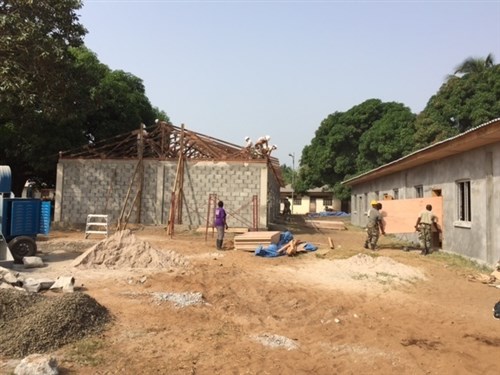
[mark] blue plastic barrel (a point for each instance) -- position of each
(45, 217)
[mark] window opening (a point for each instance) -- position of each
(419, 191)
(463, 201)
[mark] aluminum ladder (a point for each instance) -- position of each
(97, 224)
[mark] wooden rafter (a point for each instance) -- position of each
(163, 142)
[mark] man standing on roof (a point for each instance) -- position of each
(426, 220)
(220, 224)
(373, 226)
(262, 143)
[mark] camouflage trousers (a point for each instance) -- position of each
(425, 236)
(372, 236)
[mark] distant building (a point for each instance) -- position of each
(314, 200)
(460, 176)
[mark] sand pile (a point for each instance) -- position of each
(33, 323)
(378, 268)
(359, 272)
(124, 250)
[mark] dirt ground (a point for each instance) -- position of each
(332, 311)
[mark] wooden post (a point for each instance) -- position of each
(212, 198)
(255, 212)
(120, 218)
(330, 242)
(140, 151)
(180, 178)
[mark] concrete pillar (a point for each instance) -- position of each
(58, 194)
(263, 198)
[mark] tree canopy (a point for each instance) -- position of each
(349, 142)
(55, 94)
(462, 102)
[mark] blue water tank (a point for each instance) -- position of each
(45, 217)
(5, 179)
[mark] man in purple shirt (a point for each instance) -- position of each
(220, 224)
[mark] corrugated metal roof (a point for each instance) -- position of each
(479, 136)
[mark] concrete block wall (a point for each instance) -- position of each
(233, 183)
(100, 187)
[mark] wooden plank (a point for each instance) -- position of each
(263, 234)
(400, 215)
(330, 242)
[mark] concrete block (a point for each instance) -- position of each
(32, 262)
(35, 285)
(64, 283)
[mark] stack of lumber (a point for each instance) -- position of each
(291, 248)
(327, 224)
(249, 241)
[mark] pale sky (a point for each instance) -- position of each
(231, 68)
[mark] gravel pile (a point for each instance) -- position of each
(179, 299)
(34, 323)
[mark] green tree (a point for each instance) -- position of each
(353, 141)
(120, 105)
(388, 139)
(287, 173)
(461, 103)
(36, 74)
(160, 115)
(475, 65)
(35, 37)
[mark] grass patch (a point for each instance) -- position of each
(461, 262)
(86, 352)
(360, 276)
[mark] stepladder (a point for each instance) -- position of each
(97, 224)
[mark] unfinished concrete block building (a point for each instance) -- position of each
(165, 174)
(459, 177)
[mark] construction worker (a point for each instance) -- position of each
(262, 143)
(426, 220)
(267, 151)
(248, 143)
(220, 224)
(286, 209)
(373, 226)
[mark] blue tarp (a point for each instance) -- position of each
(272, 250)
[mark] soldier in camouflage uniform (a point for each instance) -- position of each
(373, 226)
(426, 220)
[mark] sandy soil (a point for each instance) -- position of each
(345, 311)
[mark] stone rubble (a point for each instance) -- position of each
(37, 364)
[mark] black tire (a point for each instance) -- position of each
(21, 247)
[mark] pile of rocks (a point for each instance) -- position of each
(15, 280)
(34, 323)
